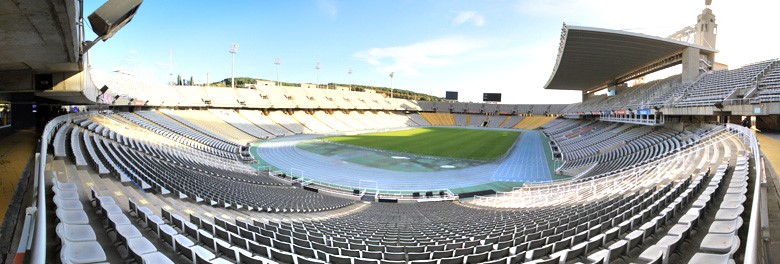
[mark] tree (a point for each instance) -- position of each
(192, 82)
(178, 79)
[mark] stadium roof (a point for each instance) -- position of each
(589, 58)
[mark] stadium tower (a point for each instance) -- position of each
(705, 34)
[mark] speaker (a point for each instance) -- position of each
(428, 194)
(356, 191)
(441, 193)
(112, 16)
(416, 194)
(719, 105)
(103, 89)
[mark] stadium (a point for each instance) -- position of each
(108, 167)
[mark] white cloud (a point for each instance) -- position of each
(409, 59)
(328, 8)
(469, 16)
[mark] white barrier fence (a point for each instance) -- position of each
(758, 224)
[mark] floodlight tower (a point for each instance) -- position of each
(277, 61)
(317, 67)
(350, 78)
(391, 84)
(233, 51)
(170, 67)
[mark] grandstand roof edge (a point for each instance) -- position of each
(587, 56)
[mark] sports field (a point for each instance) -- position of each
(476, 144)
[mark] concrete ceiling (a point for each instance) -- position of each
(39, 36)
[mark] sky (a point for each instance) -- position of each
(433, 46)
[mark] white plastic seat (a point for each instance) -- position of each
(118, 219)
(82, 252)
(62, 186)
(68, 204)
(202, 252)
(707, 258)
(72, 216)
(183, 241)
(67, 195)
(111, 209)
(126, 232)
(140, 246)
(725, 227)
(720, 243)
(75, 233)
(155, 258)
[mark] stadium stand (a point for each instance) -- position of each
(439, 119)
(533, 122)
(310, 123)
(720, 85)
(419, 119)
(166, 176)
(462, 119)
(205, 121)
(769, 84)
(606, 225)
(477, 120)
(236, 120)
(264, 122)
(655, 210)
(286, 121)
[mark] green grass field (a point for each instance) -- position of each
(438, 141)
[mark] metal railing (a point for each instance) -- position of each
(38, 232)
(758, 224)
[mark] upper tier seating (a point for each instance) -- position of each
(717, 86)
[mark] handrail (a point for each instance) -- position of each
(39, 232)
(758, 227)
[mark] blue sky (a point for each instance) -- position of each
(432, 46)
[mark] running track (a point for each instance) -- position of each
(525, 163)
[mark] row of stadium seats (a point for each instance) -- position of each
(173, 176)
(711, 148)
(486, 108)
(626, 220)
(717, 86)
(592, 148)
(130, 90)
(760, 82)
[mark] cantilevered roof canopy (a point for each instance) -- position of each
(589, 59)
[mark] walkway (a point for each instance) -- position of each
(770, 146)
(15, 150)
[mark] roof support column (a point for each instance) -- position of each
(690, 64)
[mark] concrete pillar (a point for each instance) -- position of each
(690, 65)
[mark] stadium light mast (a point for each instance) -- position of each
(233, 51)
(277, 61)
(170, 67)
(317, 76)
(391, 84)
(350, 78)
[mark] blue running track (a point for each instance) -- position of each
(526, 162)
